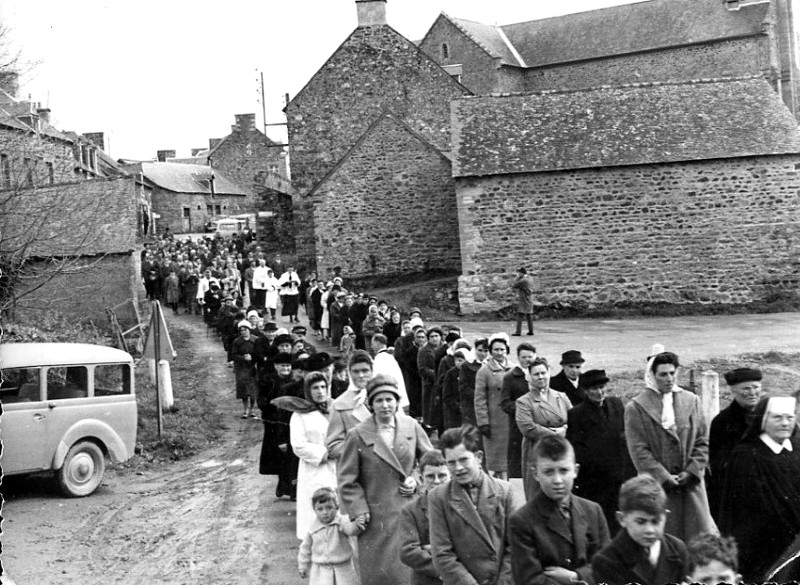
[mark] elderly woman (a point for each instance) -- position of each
(372, 324)
(308, 428)
(761, 497)
(492, 421)
(244, 368)
(540, 412)
(376, 480)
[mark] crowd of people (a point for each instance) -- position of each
(398, 448)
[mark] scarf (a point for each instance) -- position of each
(297, 404)
(667, 399)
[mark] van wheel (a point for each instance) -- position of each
(82, 470)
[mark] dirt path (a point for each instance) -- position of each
(210, 519)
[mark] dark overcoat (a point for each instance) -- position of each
(514, 386)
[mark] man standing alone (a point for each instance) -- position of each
(523, 284)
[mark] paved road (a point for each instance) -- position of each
(620, 345)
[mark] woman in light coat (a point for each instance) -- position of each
(307, 430)
(540, 412)
(271, 300)
(376, 480)
(492, 421)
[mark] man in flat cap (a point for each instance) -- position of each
(568, 379)
(729, 426)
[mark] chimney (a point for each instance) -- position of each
(196, 151)
(371, 12)
(213, 143)
(163, 155)
(9, 82)
(44, 114)
(245, 122)
(98, 138)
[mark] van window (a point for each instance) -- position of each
(70, 382)
(112, 380)
(20, 385)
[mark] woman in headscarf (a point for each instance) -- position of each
(307, 430)
(667, 437)
(244, 368)
(492, 421)
(540, 412)
(376, 480)
(761, 497)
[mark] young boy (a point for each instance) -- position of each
(555, 535)
(713, 559)
(641, 552)
(326, 549)
(415, 548)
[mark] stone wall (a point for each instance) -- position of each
(375, 70)
(729, 58)
(388, 208)
(721, 231)
(84, 292)
(169, 205)
(28, 159)
(277, 233)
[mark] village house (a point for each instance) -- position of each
(556, 136)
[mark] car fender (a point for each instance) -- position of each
(96, 431)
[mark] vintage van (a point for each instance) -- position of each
(66, 407)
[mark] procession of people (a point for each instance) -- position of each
(400, 464)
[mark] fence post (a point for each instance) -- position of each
(709, 394)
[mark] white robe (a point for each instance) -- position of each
(307, 432)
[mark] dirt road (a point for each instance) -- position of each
(211, 519)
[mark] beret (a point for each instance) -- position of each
(740, 375)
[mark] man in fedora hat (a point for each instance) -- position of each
(523, 284)
(596, 429)
(568, 379)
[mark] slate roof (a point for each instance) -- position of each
(183, 178)
(487, 36)
(631, 28)
(618, 126)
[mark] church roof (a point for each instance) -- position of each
(618, 126)
(631, 28)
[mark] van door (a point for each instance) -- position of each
(67, 395)
(24, 427)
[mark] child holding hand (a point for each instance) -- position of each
(325, 553)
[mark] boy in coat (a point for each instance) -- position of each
(415, 544)
(556, 534)
(469, 516)
(642, 552)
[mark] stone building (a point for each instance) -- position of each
(376, 80)
(657, 40)
(676, 192)
(185, 197)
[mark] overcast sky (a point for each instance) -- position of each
(170, 74)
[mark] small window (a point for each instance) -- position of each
(51, 174)
(20, 385)
(69, 382)
(187, 212)
(217, 210)
(28, 164)
(112, 380)
(445, 51)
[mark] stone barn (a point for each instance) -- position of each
(677, 192)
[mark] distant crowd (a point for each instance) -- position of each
(398, 444)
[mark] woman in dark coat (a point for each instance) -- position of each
(514, 386)
(277, 457)
(451, 400)
(761, 498)
(393, 328)
(242, 353)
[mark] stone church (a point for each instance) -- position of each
(639, 153)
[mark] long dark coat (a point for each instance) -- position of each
(273, 461)
(451, 404)
(598, 435)
(727, 430)
(426, 364)
(466, 391)
(514, 386)
(370, 475)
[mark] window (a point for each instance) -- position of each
(209, 209)
(217, 210)
(51, 174)
(28, 164)
(67, 382)
(20, 385)
(187, 212)
(445, 51)
(112, 380)
(273, 169)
